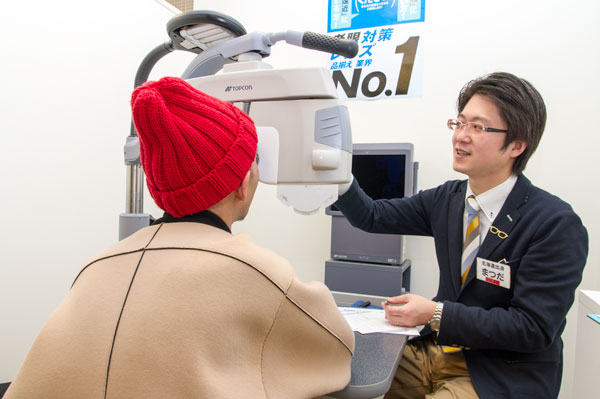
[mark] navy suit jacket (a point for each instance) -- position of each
(513, 335)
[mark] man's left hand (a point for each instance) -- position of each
(408, 310)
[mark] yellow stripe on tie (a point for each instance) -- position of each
(450, 349)
(474, 224)
(464, 276)
(471, 241)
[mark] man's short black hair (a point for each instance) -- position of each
(521, 106)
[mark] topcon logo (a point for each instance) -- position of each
(238, 88)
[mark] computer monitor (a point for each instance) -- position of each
(384, 170)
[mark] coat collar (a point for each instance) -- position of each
(205, 217)
(455, 233)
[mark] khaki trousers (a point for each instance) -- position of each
(425, 371)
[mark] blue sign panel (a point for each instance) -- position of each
(359, 14)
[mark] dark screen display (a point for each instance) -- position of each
(380, 176)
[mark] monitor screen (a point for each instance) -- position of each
(380, 176)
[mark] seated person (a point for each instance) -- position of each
(183, 308)
(510, 256)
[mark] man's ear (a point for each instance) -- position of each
(242, 191)
(517, 148)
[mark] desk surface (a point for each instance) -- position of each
(376, 357)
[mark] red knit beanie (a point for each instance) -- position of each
(195, 149)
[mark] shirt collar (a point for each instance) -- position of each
(492, 200)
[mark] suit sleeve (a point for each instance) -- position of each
(394, 216)
(544, 283)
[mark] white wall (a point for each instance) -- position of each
(65, 81)
(66, 76)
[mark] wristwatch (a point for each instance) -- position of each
(435, 321)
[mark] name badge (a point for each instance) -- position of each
(493, 272)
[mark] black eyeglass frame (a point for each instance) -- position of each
(454, 124)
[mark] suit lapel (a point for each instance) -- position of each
(506, 220)
(455, 234)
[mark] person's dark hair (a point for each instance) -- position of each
(521, 106)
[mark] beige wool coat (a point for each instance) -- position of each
(187, 310)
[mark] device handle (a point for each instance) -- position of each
(330, 44)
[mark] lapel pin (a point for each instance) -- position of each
(494, 230)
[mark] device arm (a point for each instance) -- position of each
(317, 41)
(209, 61)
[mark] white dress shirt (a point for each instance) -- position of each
(490, 203)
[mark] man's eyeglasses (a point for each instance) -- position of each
(477, 127)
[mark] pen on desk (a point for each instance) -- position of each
(392, 304)
(364, 304)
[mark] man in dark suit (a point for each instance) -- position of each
(510, 257)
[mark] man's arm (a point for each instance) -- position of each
(394, 216)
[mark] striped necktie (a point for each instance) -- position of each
(471, 243)
(470, 248)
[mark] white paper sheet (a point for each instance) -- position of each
(367, 321)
